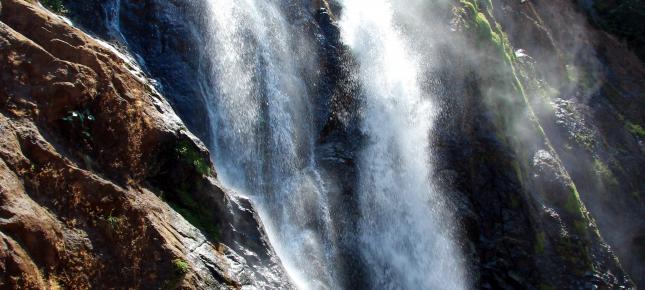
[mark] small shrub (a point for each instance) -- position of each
(189, 155)
(113, 221)
(180, 266)
(80, 121)
(56, 6)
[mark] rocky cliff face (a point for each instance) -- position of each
(101, 185)
(540, 147)
(549, 185)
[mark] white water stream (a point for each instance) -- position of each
(264, 132)
(406, 243)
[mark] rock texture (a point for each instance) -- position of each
(95, 168)
(540, 148)
(167, 40)
(542, 151)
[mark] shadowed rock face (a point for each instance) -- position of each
(558, 207)
(91, 158)
(597, 111)
(620, 18)
(168, 38)
(515, 157)
(167, 42)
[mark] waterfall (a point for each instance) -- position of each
(403, 234)
(112, 15)
(264, 134)
(263, 128)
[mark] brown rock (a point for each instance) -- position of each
(83, 141)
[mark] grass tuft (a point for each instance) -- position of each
(191, 156)
(635, 129)
(180, 266)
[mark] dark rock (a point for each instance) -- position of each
(84, 140)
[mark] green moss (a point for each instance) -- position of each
(183, 188)
(540, 242)
(602, 170)
(180, 266)
(581, 227)
(56, 6)
(191, 156)
(575, 207)
(573, 204)
(196, 214)
(585, 139)
(483, 26)
(635, 129)
(186, 199)
(576, 253)
(180, 269)
(471, 6)
(499, 40)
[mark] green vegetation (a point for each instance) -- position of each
(56, 6)
(180, 180)
(180, 266)
(580, 227)
(602, 170)
(486, 31)
(80, 120)
(180, 269)
(573, 204)
(581, 219)
(114, 221)
(195, 213)
(540, 241)
(586, 139)
(635, 129)
(191, 156)
(494, 36)
(483, 27)
(471, 6)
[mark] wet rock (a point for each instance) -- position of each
(85, 140)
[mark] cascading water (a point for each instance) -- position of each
(403, 239)
(263, 144)
(112, 13)
(264, 131)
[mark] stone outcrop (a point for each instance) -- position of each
(540, 147)
(539, 153)
(101, 184)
